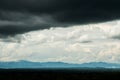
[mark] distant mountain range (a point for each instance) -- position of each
(28, 64)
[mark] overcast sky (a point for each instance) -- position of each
(73, 31)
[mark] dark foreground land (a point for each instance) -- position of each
(59, 74)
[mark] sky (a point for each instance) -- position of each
(72, 31)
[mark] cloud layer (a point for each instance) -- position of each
(60, 30)
(18, 17)
(75, 44)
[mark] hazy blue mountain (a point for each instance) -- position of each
(101, 64)
(28, 64)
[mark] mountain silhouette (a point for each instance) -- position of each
(28, 64)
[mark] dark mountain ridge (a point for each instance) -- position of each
(28, 64)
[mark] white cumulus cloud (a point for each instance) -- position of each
(75, 44)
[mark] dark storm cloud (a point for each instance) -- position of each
(20, 16)
(13, 23)
(86, 42)
(116, 37)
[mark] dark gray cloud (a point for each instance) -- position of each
(20, 16)
(116, 37)
(86, 41)
(13, 23)
(13, 39)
